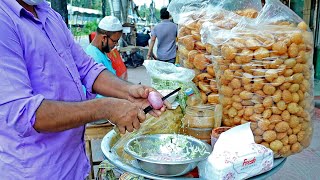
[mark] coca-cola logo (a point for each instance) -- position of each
(248, 162)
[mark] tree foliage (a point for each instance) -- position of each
(145, 13)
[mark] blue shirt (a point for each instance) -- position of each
(100, 57)
(166, 33)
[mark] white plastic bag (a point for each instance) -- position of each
(168, 76)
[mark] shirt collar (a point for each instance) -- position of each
(165, 20)
(14, 6)
(43, 6)
(17, 8)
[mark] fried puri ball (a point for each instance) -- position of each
(203, 97)
(204, 77)
(280, 47)
(292, 139)
(293, 50)
(250, 13)
(261, 53)
(191, 55)
(192, 25)
(183, 50)
(276, 145)
(200, 61)
(204, 87)
(296, 38)
(285, 150)
(296, 147)
(303, 26)
(188, 42)
(269, 89)
(253, 44)
(213, 98)
(213, 86)
(210, 70)
(184, 31)
(196, 35)
(200, 46)
(246, 95)
(263, 125)
(269, 136)
(282, 127)
(228, 52)
(227, 91)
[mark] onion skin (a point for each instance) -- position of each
(155, 100)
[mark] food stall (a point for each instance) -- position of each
(251, 68)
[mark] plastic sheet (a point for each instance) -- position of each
(168, 123)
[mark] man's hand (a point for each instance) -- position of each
(125, 114)
(151, 57)
(138, 94)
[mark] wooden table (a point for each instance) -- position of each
(93, 132)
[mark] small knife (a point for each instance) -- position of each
(149, 108)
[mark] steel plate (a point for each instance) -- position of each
(115, 160)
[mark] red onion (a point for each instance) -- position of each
(155, 100)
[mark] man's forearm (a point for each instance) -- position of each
(54, 116)
(151, 47)
(110, 85)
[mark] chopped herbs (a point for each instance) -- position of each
(171, 148)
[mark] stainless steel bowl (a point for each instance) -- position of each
(167, 154)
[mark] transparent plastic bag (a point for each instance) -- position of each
(265, 76)
(168, 123)
(171, 75)
(168, 76)
(179, 9)
(193, 52)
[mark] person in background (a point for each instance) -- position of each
(165, 32)
(43, 108)
(109, 31)
(95, 49)
(143, 38)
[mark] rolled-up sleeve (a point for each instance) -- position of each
(18, 104)
(87, 67)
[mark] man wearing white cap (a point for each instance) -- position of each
(108, 34)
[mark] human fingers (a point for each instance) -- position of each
(167, 104)
(138, 91)
(136, 123)
(141, 116)
(155, 113)
(122, 129)
(129, 128)
(147, 90)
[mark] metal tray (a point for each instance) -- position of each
(115, 160)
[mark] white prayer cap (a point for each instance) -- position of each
(110, 23)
